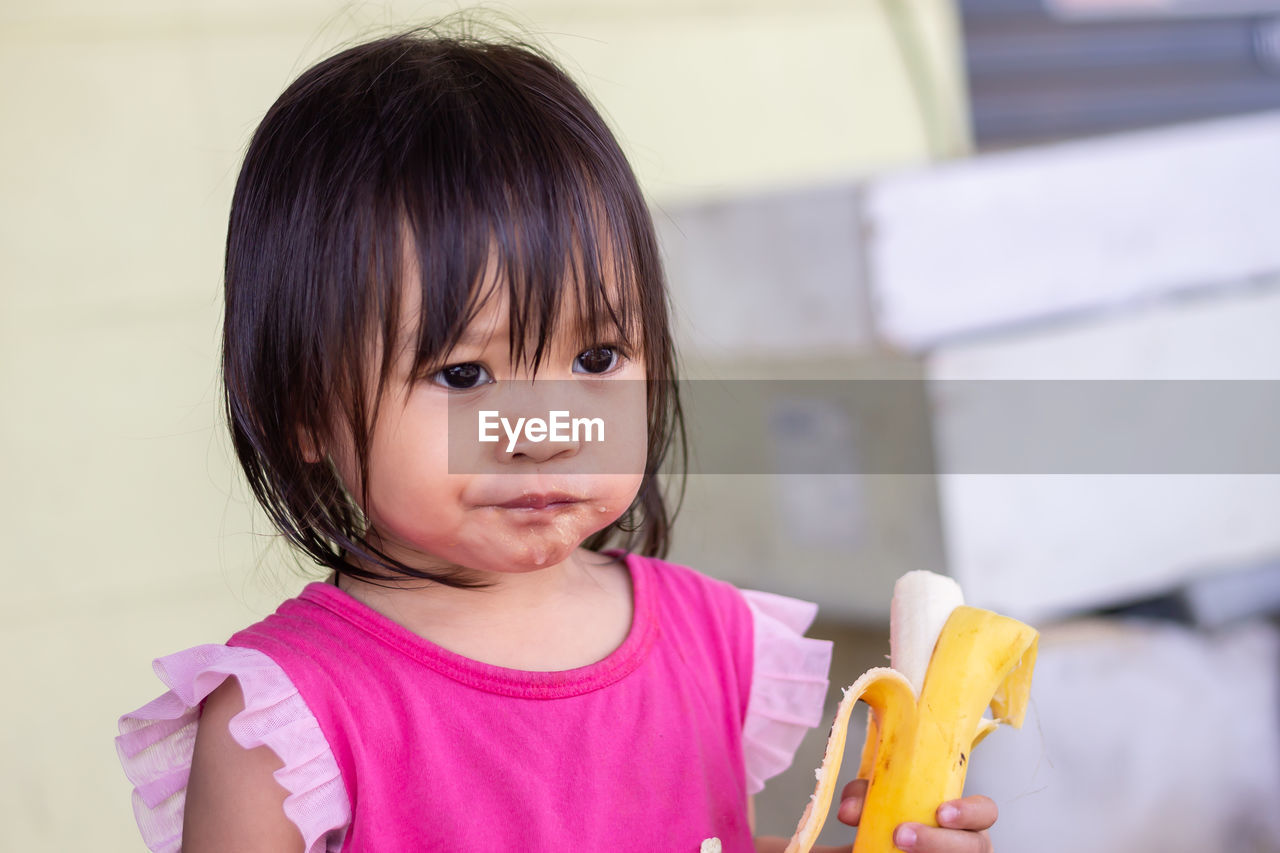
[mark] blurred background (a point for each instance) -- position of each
(909, 189)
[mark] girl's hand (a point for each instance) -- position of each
(962, 824)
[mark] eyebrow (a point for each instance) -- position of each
(580, 330)
(472, 337)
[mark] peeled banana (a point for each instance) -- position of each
(948, 664)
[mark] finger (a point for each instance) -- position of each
(976, 812)
(851, 799)
(856, 788)
(917, 838)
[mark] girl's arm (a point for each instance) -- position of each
(233, 801)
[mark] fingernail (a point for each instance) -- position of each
(905, 837)
(948, 814)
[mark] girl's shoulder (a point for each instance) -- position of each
(788, 670)
(156, 742)
(776, 614)
(675, 582)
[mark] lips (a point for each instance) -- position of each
(540, 501)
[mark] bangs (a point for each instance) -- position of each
(493, 190)
(563, 275)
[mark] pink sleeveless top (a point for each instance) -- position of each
(641, 751)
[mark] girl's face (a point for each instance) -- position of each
(443, 500)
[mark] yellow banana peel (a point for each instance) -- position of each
(927, 709)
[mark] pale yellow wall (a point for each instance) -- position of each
(128, 533)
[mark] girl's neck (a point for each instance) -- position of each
(564, 616)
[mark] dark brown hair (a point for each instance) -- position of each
(443, 149)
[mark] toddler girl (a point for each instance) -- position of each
(423, 225)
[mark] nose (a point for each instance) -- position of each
(543, 439)
(536, 423)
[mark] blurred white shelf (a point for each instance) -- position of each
(1043, 545)
(1016, 238)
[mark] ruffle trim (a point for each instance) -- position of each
(788, 687)
(157, 740)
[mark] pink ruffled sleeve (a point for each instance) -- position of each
(156, 742)
(788, 685)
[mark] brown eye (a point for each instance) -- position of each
(462, 377)
(596, 360)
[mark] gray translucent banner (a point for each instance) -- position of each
(888, 426)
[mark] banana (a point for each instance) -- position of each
(948, 664)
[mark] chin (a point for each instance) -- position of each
(540, 552)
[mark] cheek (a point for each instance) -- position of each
(409, 465)
(625, 450)
(617, 491)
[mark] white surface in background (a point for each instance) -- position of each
(1141, 738)
(1036, 545)
(827, 509)
(777, 273)
(1021, 236)
(1039, 546)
